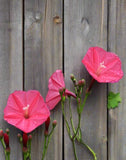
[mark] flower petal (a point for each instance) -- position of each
(52, 98)
(105, 67)
(56, 81)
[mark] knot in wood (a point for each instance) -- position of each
(85, 25)
(38, 16)
(57, 20)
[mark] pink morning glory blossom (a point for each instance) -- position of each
(103, 66)
(26, 110)
(56, 83)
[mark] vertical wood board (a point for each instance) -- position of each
(11, 75)
(43, 55)
(117, 117)
(85, 25)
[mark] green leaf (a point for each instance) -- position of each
(113, 100)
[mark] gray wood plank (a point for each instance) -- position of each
(85, 25)
(117, 44)
(43, 55)
(11, 75)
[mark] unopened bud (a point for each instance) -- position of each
(25, 139)
(7, 131)
(30, 137)
(72, 77)
(1, 133)
(19, 135)
(54, 123)
(47, 123)
(6, 140)
(81, 82)
(75, 81)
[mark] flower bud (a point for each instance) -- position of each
(81, 82)
(25, 139)
(7, 131)
(6, 140)
(75, 82)
(72, 77)
(19, 135)
(1, 133)
(30, 137)
(47, 123)
(54, 123)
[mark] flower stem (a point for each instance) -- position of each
(91, 84)
(7, 155)
(25, 156)
(87, 94)
(46, 143)
(83, 104)
(45, 147)
(3, 144)
(29, 149)
(68, 127)
(67, 124)
(73, 142)
(50, 136)
(71, 117)
(78, 127)
(89, 148)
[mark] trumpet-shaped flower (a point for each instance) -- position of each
(103, 66)
(26, 110)
(56, 83)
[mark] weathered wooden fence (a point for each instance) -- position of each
(39, 36)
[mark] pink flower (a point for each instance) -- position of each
(105, 67)
(26, 110)
(56, 83)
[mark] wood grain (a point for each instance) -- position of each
(11, 75)
(43, 55)
(31, 49)
(117, 44)
(85, 25)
